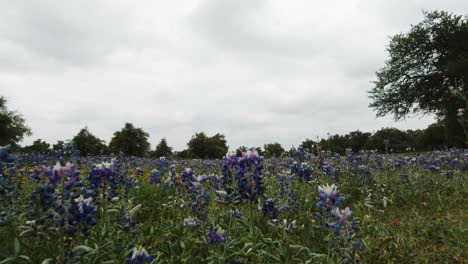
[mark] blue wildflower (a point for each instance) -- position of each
(140, 256)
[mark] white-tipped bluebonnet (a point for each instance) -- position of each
(217, 235)
(236, 213)
(155, 176)
(140, 256)
(191, 222)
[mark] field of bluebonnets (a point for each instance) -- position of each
(358, 208)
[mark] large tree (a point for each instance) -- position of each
(130, 140)
(425, 66)
(12, 125)
(88, 144)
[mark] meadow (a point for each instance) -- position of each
(356, 208)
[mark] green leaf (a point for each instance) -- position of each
(47, 261)
(8, 260)
(26, 258)
(17, 246)
(135, 209)
(82, 249)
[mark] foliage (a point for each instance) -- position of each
(162, 149)
(203, 147)
(423, 64)
(38, 146)
(118, 211)
(309, 145)
(12, 125)
(388, 139)
(130, 140)
(88, 144)
(58, 146)
(273, 150)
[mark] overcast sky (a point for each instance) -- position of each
(257, 71)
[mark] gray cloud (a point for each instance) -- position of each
(257, 71)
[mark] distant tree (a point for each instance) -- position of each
(58, 146)
(415, 139)
(131, 141)
(259, 151)
(38, 146)
(198, 145)
(184, 154)
(391, 139)
(241, 150)
(434, 136)
(357, 140)
(88, 144)
(336, 143)
(217, 146)
(424, 67)
(204, 147)
(12, 126)
(162, 149)
(309, 145)
(291, 151)
(273, 150)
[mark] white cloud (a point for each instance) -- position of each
(257, 71)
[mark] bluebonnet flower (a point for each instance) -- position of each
(217, 235)
(302, 170)
(329, 196)
(286, 191)
(140, 256)
(155, 176)
(139, 172)
(80, 214)
(341, 216)
(365, 177)
(103, 177)
(270, 209)
(200, 200)
(191, 222)
(187, 175)
(346, 233)
(57, 173)
(202, 178)
(4, 156)
(6, 185)
(249, 183)
(434, 168)
(236, 213)
(404, 178)
(226, 180)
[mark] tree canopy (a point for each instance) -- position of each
(162, 149)
(425, 66)
(12, 125)
(38, 146)
(433, 51)
(130, 140)
(273, 150)
(88, 144)
(204, 147)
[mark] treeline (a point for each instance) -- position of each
(133, 141)
(386, 140)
